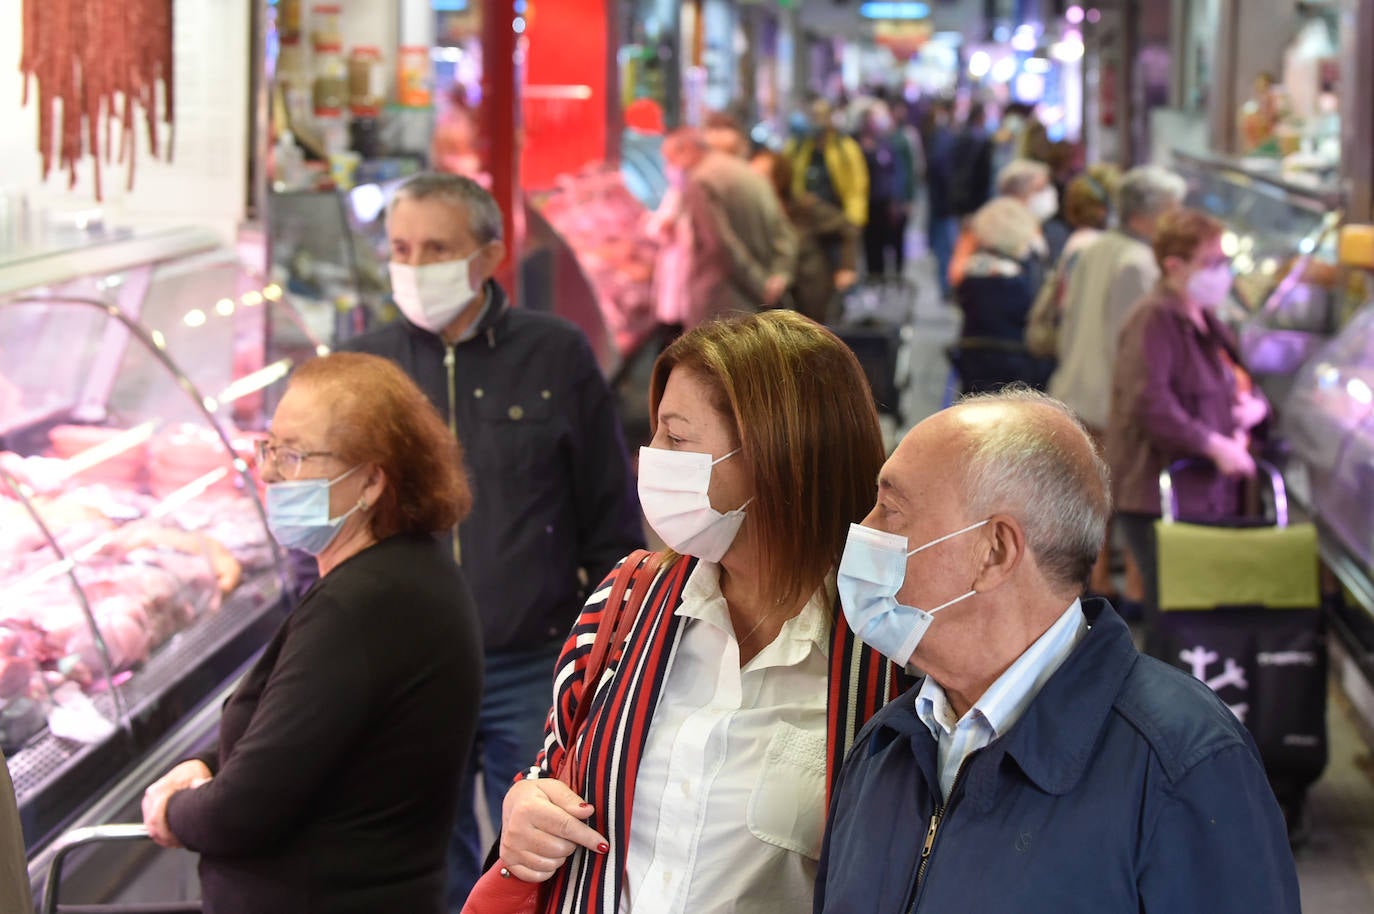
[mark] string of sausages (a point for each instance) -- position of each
(95, 62)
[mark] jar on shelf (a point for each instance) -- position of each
(331, 78)
(289, 20)
(324, 21)
(366, 87)
(333, 130)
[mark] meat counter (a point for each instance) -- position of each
(136, 571)
(1329, 422)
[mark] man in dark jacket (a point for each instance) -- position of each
(1042, 765)
(554, 503)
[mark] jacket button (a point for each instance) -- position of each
(516, 413)
(546, 394)
(479, 393)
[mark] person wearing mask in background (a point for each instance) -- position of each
(1024, 182)
(1042, 766)
(942, 225)
(556, 505)
(971, 183)
(995, 296)
(744, 252)
(1109, 277)
(891, 189)
(14, 873)
(724, 133)
(830, 165)
(1179, 390)
(334, 782)
(820, 229)
(708, 751)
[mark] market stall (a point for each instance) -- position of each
(137, 574)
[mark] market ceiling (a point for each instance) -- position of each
(843, 17)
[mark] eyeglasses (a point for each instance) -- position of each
(286, 460)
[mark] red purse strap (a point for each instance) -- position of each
(636, 576)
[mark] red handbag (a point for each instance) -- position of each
(498, 891)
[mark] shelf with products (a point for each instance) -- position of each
(136, 569)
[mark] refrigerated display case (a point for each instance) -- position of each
(1329, 422)
(137, 574)
(1281, 235)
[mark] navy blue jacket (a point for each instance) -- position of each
(545, 455)
(1126, 787)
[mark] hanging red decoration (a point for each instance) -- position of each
(94, 62)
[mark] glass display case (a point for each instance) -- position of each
(1281, 236)
(137, 573)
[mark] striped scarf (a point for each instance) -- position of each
(611, 742)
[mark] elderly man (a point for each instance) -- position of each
(555, 504)
(1108, 278)
(1043, 765)
(743, 251)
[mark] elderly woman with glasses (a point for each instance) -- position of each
(334, 783)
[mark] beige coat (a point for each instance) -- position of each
(14, 872)
(740, 237)
(1109, 277)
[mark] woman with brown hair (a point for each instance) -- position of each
(704, 766)
(1179, 390)
(334, 784)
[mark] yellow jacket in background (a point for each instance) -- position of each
(848, 172)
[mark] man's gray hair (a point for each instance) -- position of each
(1020, 176)
(1058, 486)
(1147, 191)
(483, 215)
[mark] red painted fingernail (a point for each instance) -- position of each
(603, 848)
(586, 806)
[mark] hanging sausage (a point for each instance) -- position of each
(94, 62)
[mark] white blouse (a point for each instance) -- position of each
(729, 804)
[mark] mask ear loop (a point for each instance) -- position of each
(948, 536)
(726, 457)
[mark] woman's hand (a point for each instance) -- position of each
(541, 826)
(845, 279)
(1249, 410)
(186, 776)
(1231, 455)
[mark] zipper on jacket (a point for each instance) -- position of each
(449, 362)
(937, 817)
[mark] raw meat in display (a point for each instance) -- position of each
(125, 468)
(604, 225)
(11, 399)
(184, 454)
(202, 559)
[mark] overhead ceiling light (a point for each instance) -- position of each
(979, 64)
(894, 10)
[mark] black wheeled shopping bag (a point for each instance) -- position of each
(1240, 609)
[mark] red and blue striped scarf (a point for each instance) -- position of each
(613, 736)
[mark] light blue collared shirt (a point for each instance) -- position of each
(1002, 705)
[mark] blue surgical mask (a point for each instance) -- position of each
(298, 513)
(872, 570)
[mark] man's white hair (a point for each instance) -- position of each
(1057, 486)
(483, 215)
(1147, 191)
(1020, 177)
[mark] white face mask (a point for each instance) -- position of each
(872, 570)
(433, 295)
(1210, 287)
(1045, 204)
(673, 487)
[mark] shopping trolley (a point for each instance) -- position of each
(1240, 609)
(79, 838)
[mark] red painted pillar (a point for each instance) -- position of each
(497, 120)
